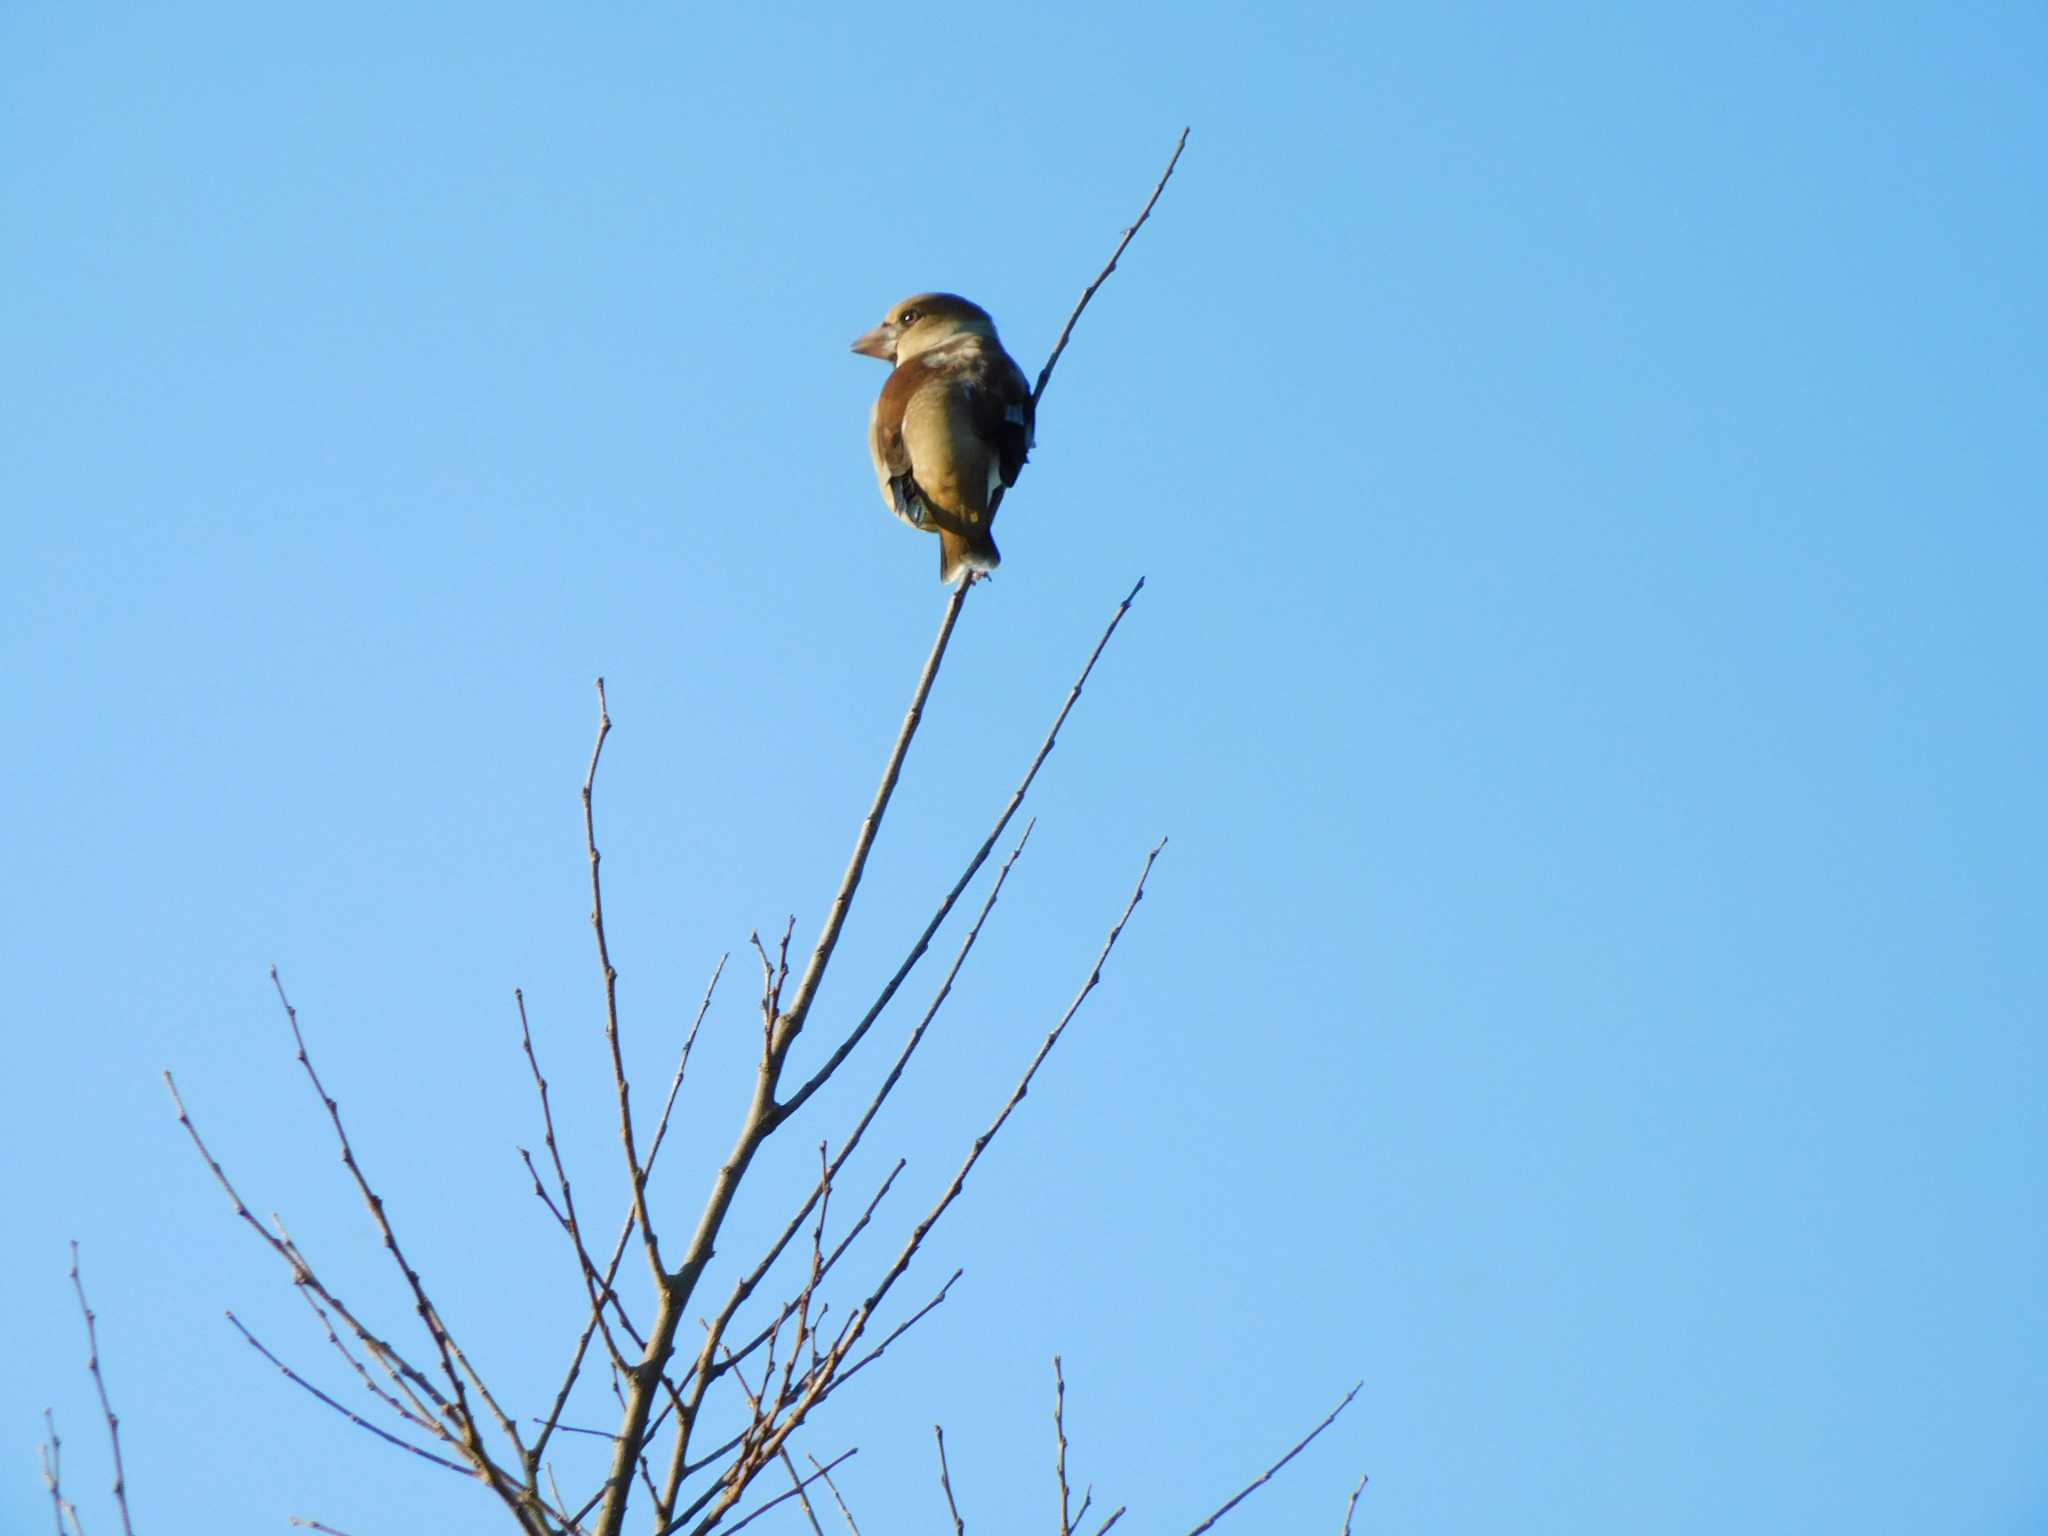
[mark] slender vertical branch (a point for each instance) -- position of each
(1059, 1435)
(92, 1364)
(62, 1510)
(946, 1483)
(636, 1171)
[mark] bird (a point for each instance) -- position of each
(952, 426)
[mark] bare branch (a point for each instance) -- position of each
(444, 1341)
(611, 1268)
(760, 1121)
(889, 1081)
(827, 1376)
(982, 1142)
(597, 1287)
(716, 1330)
(1059, 1433)
(52, 1451)
(305, 1524)
(521, 1500)
(683, 1065)
(1045, 374)
(792, 1021)
(636, 1171)
(917, 950)
(841, 1377)
(411, 1411)
(845, 1513)
(946, 1482)
(780, 1498)
(92, 1364)
(107, 1408)
(353, 1417)
(1351, 1503)
(1267, 1475)
(797, 1481)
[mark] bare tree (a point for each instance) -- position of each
(703, 1414)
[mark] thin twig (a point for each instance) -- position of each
(797, 1487)
(1059, 1433)
(683, 1065)
(1266, 1476)
(946, 1482)
(842, 1377)
(845, 1513)
(386, 1355)
(1066, 331)
(636, 1171)
(520, 1500)
(412, 1411)
(598, 1289)
(917, 950)
(889, 1081)
(353, 1417)
(611, 1268)
(454, 1364)
(52, 1451)
(1351, 1503)
(724, 1319)
(754, 1515)
(792, 1020)
(987, 1137)
(92, 1364)
(827, 1376)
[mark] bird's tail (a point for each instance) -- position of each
(971, 550)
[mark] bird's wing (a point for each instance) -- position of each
(900, 491)
(999, 404)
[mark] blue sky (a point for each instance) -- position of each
(1585, 462)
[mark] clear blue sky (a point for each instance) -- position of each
(1586, 461)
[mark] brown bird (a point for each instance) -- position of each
(952, 426)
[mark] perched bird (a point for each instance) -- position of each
(952, 426)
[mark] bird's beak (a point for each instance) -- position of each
(880, 342)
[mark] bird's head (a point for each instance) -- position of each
(918, 324)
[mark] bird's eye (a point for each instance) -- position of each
(908, 317)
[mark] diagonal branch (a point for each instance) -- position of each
(1267, 1475)
(792, 1020)
(917, 950)
(827, 1374)
(1045, 374)
(454, 1364)
(889, 1081)
(348, 1413)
